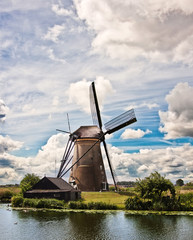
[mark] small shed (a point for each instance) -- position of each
(49, 187)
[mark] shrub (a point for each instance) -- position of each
(6, 196)
(134, 204)
(50, 203)
(187, 200)
(92, 206)
(77, 205)
(17, 201)
(101, 206)
(28, 202)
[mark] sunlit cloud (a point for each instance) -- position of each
(132, 133)
(178, 120)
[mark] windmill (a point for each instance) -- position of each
(84, 151)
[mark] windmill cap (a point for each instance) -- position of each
(88, 132)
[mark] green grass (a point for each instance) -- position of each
(106, 197)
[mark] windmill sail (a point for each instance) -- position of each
(121, 121)
(94, 106)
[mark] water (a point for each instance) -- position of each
(22, 225)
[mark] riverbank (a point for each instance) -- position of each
(128, 212)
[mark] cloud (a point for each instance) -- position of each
(3, 110)
(142, 105)
(54, 33)
(79, 92)
(60, 11)
(174, 162)
(13, 168)
(156, 30)
(178, 120)
(7, 144)
(131, 133)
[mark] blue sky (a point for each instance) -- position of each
(140, 55)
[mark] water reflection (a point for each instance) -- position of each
(161, 227)
(82, 226)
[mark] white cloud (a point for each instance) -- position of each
(178, 120)
(147, 29)
(173, 162)
(13, 168)
(54, 33)
(79, 92)
(60, 11)
(7, 144)
(131, 133)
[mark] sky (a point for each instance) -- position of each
(138, 53)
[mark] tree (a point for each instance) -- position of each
(179, 182)
(153, 186)
(28, 182)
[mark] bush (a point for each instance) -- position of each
(92, 206)
(28, 202)
(187, 200)
(137, 203)
(50, 203)
(6, 196)
(17, 201)
(77, 205)
(101, 206)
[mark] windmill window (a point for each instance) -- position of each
(101, 167)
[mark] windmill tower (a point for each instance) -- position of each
(83, 148)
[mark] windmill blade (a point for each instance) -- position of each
(102, 136)
(62, 131)
(121, 121)
(94, 106)
(66, 156)
(110, 164)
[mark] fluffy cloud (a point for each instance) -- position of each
(13, 168)
(7, 144)
(54, 33)
(79, 92)
(158, 30)
(173, 162)
(131, 133)
(3, 110)
(178, 120)
(60, 11)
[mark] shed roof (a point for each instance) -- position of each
(50, 183)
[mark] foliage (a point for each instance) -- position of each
(92, 205)
(190, 184)
(153, 186)
(17, 201)
(136, 203)
(187, 200)
(179, 182)
(164, 204)
(50, 203)
(6, 196)
(28, 182)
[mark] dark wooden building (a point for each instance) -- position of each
(49, 187)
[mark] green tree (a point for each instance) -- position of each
(28, 182)
(179, 182)
(152, 187)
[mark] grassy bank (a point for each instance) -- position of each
(106, 197)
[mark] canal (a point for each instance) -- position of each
(47, 225)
